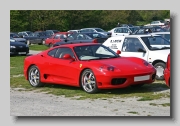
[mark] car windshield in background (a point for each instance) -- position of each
(94, 52)
(99, 30)
(29, 33)
(166, 36)
(156, 42)
(55, 31)
(14, 36)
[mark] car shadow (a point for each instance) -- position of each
(155, 87)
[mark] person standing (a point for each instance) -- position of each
(118, 25)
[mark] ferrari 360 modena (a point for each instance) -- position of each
(91, 66)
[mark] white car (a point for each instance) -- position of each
(158, 23)
(152, 48)
(120, 31)
(166, 35)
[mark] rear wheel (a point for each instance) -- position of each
(160, 66)
(34, 76)
(88, 81)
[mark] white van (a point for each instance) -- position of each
(152, 48)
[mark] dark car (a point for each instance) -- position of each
(149, 29)
(24, 33)
(18, 48)
(16, 37)
(37, 37)
(51, 32)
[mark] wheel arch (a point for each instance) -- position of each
(157, 61)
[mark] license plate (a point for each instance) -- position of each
(22, 52)
(141, 78)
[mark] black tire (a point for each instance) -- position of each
(160, 66)
(89, 78)
(34, 76)
(50, 45)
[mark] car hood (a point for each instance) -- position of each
(17, 44)
(19, 39)
(124, 64)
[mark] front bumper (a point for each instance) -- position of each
(122, 81)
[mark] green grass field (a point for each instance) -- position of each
(146, 92)
(38, 47)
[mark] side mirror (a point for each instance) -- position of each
(118, 52)
(141, 50)
(68, 57)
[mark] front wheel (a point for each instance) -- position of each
(34, 76)
(88, 81)
(160, 70)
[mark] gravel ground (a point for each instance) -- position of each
(30, 103)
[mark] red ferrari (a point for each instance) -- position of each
(91, 66)
(167, 72)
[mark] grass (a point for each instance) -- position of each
(133, 112)
(164, 104)
(146, 92)
(38, 47)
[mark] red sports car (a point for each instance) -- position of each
(167, 72)
(91, 66)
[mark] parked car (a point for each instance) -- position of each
(91, 66)
(165, 35)
(99, 30)
(37, 37)
(57, 37)
(24, 33)
(120, 31)
(149, 29)
(51, 32)
(156, 23)
(18, 48)
(167, 72)
(16, 37)
(152, 48)
(83, 37)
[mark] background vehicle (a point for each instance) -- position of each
(165, 35)
(16, 37)
(99, 30)
(120, 31)
(167, 72)
(57, 37)
(153, 49)
(18, 48)
(91, 66)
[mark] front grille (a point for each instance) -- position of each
(117, 81)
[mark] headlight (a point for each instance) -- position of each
(12, 46)
(108, 68)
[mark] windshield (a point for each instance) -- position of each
(156, 42)
(94, 52)
(99, 30)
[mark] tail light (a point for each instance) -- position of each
(95, 41)
(168, 62)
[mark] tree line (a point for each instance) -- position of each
(63, 20)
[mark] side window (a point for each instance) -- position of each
(62, 51)
(52, 52)
(132, 45)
